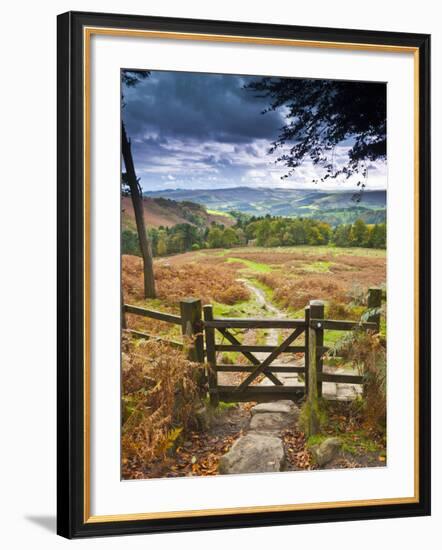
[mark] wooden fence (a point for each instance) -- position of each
(189, 320)
(198, 325)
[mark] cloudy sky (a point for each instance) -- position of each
(195, 130)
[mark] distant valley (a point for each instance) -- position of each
(333, 207)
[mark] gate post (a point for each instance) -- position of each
(317, 312)
(191, 328)
(306, 346)
(374, 302)
(312, 403)
(211, 357)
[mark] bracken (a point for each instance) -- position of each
(175, 282)
(160, 396)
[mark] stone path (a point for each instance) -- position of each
(261, 449)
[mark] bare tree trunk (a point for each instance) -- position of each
(137, 201)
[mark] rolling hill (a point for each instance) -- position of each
(167, 213)
(334, 207)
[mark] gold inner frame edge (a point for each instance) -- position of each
(87, 34)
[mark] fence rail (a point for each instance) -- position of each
(226, 322)
(255, 393)
(248, 368)
(262, 349)
(153, 314)
(332, 324)
(189, 320)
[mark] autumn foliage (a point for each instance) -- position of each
(366, 352)
(294, 286)
(296, 293)
(175, 282)
(160, 396)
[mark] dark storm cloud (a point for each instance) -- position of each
(198, 106)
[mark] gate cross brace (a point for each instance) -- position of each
(250, 356)
(262, 366)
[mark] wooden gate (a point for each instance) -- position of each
(312, 327)
(245, 391)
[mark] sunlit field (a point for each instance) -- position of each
(290, 277)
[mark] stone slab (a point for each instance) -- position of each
(253, 453)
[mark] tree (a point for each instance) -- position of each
(322, 114)
(162, 246)
(251, 228)
(359, 233)
(240, 236)
(131, 78)
(229, 237)
(263, 232)
(341, 235)
(298, 232)
(215, 237)
(377, 236)
(129, 243)
(325, 232)
(137, 201)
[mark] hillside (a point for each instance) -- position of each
(333, 207)
(167, 213)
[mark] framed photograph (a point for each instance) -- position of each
(243, 226)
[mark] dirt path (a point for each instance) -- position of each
(261, 297)
(272, 338)
(273, 333)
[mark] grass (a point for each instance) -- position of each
(312, 251)
(383, 327)
(261, 336)
(251, 265)
(358, 442)
(318, 267)
(331, 337)
(355, 443)
(222, 406)
(248, 308)
(316, 439)
(219, 213)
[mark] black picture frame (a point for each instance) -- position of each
(72, 521)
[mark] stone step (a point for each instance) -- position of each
(274, 416)
(253, 453)
(285, 406)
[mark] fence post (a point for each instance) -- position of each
(312, 409)
(123, 313)
(374, 302)
(211, 357)
(317, 312)
(306, 344)
(191, 327)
